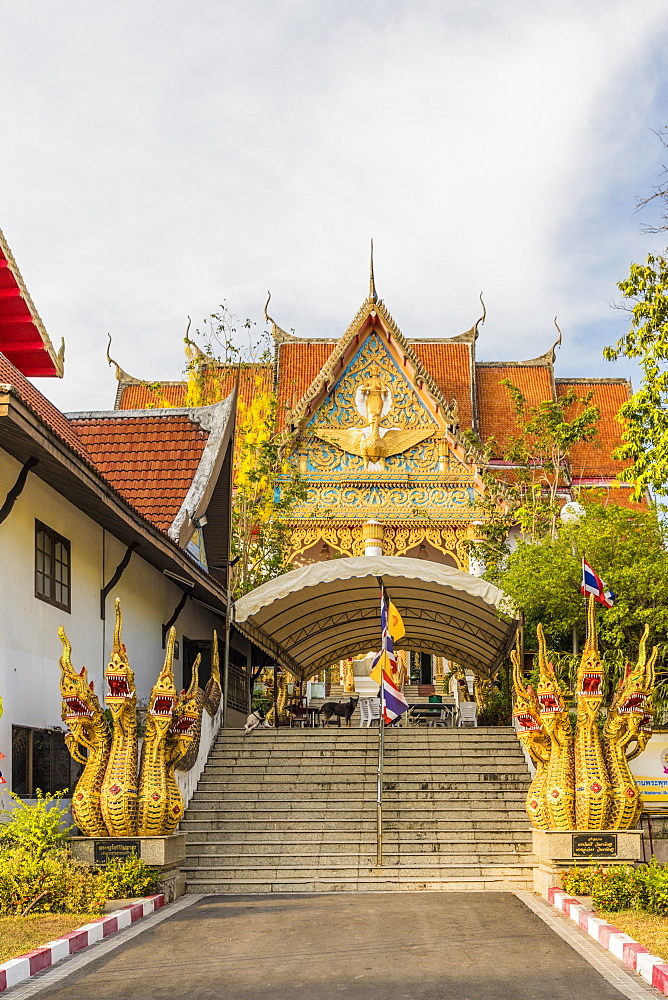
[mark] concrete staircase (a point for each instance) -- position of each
(295, 811)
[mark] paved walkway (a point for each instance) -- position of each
(361, 946)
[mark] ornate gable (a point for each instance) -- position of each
(375, 438)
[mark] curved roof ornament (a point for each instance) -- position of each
(373, 295)
(482, 318)
(550, 355)
(277, 332)
(121, 375)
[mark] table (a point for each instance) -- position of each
(434, 711)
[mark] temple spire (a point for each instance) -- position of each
(372, 282)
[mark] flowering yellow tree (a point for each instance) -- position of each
(265, 485)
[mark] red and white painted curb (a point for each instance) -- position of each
(634, 955)
(17, 969)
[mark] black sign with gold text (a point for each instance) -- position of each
(115, 850)
(594, 845)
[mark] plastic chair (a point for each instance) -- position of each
(467, 714)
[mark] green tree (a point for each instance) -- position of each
(645, 416)
(628, 550)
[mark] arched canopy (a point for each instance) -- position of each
(314, 616)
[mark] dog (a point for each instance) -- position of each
(254, 720)
(334, 709)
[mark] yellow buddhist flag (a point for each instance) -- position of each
(382, 664)
(395, 623)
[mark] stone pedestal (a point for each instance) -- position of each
(163, 854)
(556, 850)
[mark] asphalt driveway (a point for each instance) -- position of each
(361, 946)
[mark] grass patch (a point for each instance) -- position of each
(650, 930)
(21, 934)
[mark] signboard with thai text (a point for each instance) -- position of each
(650, 769)
(594, 845)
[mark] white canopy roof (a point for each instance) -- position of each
(314, 616)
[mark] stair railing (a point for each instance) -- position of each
(379, 791)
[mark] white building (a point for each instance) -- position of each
(97, 506)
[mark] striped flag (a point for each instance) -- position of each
(393, 703)
(592, 584)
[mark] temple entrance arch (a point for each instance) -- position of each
(327, 611)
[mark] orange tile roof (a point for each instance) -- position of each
(450, 367)
(140, 395)
(150, 460)
(595, 459)
(298, 366)
(41, 406)
(496, 413)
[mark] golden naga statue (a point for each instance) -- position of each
(373, 442)
(110, 799)
(119, 788)
(153, 800)
(583, 780)
(88, 741)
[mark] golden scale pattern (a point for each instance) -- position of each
(583, 780)
(113, 797)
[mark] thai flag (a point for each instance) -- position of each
(394, 704)
(592, 584)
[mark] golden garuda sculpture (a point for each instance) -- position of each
(583, 780)
(373, 442)
(114, 797)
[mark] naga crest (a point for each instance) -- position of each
(119, 675)
(213, 691)
(80, 703)
(163, 695)
(630, 708)
(185, 717)
(549, 694)
(589, 683)
(527, 708)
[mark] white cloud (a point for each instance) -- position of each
(158, 157)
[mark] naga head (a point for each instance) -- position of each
(526, 709)
(80, 707)
(630, 710)
(162, 701)
(589, 683)
(186, 715)
(550, 697)
(121, 696)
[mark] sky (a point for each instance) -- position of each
(159, 158)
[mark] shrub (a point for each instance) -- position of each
(38, 826)
(580, 881)
(127, 878)
(616, 888)
(50, 882)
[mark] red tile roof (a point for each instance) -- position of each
(450, 367)
(40, 405)
(150, 460)
(595, 459)
(496, 414)
(298, 366)
(252, 378)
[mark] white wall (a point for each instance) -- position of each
(29, 643)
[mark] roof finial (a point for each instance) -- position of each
(557, 342)
(121, 376)
(372, 281)
(482, 318)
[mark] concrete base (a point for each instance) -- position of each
(163, 854)
(557, 850)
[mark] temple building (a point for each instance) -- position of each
(384, 428)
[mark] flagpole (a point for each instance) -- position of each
(381, 753)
